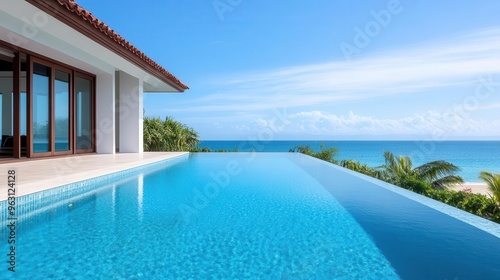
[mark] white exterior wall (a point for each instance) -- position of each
(130, 104)
(105, 113)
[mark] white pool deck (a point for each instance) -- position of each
(42, 174)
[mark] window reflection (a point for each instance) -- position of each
(41, 125)
(6, 105)
(61, 111)
(83, 113)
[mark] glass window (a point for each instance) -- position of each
(83, 113)
(23, 114)
(6, 104)
(41, 114)
(1, 116)
(24, 106)
(61, 110)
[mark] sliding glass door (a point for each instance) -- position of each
(41, 124)
(6, 103)
(46, 108)
(62, 120)
(12, 104)
(84, 116)
(62, 110)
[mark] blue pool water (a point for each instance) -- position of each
(246, 216)
(471, 156)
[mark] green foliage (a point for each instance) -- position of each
(302, 149)
(439, 174)
(362, 168)
(168, 135)
(432, 178)
(154, 135)
(476, 204)
(397, 169)
(414, 184)
(326, 154)
(493, 182)
(208, 150)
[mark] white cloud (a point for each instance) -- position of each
(273, 124)
(492, 106)
(430, 124)
(455, 62)
(243, 127)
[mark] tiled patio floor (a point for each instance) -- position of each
(36, 175)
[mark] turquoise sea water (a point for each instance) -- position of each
(245, 216)
(471, 156)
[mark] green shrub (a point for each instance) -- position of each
(361, 168)
(326, 154)
(476, 204)
(415, 185)
(208, 150)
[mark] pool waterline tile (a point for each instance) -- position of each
(43, 174)
(43, 200)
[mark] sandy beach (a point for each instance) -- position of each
(481, 188)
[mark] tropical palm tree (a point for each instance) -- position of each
(168, 135)
(176, 134)
(439, 174)
(154, 135)
(181, 137)
(493, 182)
(397, 169)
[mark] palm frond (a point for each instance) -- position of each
(168, 135)
(493, 182)
(439, 173)
(396, 168)
(444, 182)
(436, 169)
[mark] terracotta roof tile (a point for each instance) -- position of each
(73, 7)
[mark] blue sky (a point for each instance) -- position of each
(325, 70)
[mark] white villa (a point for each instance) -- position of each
(69, 84)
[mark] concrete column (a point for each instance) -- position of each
(105, 113)
(130, 103)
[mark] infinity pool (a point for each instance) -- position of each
(245, 216)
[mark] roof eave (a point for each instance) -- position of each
(71, 14)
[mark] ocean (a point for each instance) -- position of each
(471, 156)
